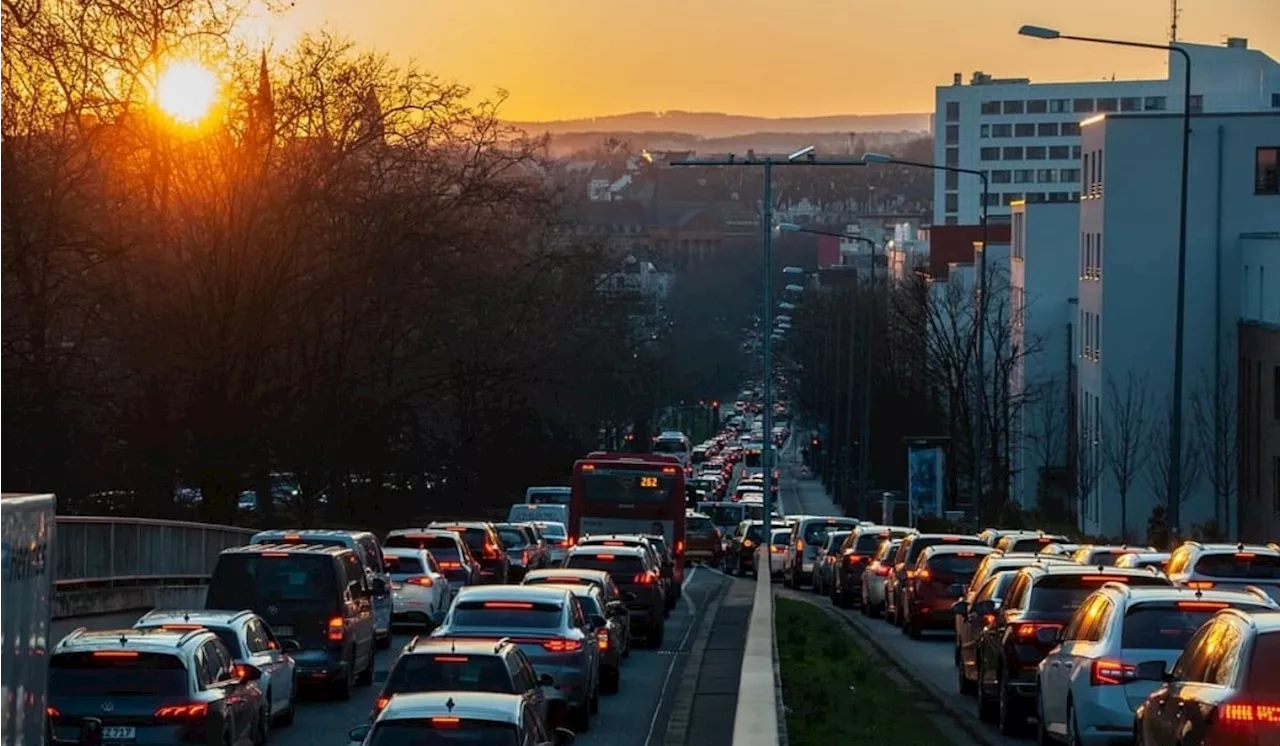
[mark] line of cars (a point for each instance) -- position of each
(1083, 644)
(302, 609)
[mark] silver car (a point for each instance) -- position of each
(875, 576)
(549, 625)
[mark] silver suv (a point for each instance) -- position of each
(1203, 566)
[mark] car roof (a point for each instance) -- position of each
(1072, 568)
(422, 532)
(147, 640)
(596, 549)
(292, 548)
(834, 520)
(567, 572)
(550, 594)
(1157, 593)
(448, 525)
(972, 549)
(327, 533)
(503, 708)
(576, 589)
(201, 617)
(633, 538)
(460, 645)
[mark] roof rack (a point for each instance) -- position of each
(501, 641)
(412, 643)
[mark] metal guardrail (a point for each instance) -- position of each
(98, 551)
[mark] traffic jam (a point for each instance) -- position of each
(520, 627)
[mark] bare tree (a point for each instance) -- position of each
(1124, 441)
(1088, 467)
(1049, 433)
(1160, 461)
(1214, 413)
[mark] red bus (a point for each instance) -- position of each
(629, 493)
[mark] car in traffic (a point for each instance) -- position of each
(666, 571)
(449, 550)
(613, 637)
(471, 718)
(908, 553)
(1104, 554)
(856, 555)
(548, 624)
(152, 686)
(420, 591)
(525, 551)
(1158, 560)
(743, 546)
(633, 572)
(702, 539)
(248, 638)
(939, 579)
(1029, 541)
(779, 543)
(826, 562)
(485, 545)
(556, 537)
(875, 578)
(1203, 566)
(807, 535)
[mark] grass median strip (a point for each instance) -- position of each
(833, 693)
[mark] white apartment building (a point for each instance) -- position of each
(1026, 136)
(1043, 281)
(1127, 249)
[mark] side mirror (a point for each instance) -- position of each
(960, 607)
(564, 737)
(379, 586)
(246, 672)
(546, 680)
(358, 733)
(1150, 671)
(290, 645)
(597, 621)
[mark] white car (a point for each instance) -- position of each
(778, 544)
(420, 592)
(557, 538)
(1087, 690)
(249, 639)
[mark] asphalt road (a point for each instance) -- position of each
(636, 716)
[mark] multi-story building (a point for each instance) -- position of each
(1026, 136)
(1127, 247)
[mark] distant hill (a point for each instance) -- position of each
(717, 125)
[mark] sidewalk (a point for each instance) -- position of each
(804, 494)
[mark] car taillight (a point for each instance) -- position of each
(421, 580)
(747, 543)
(644, 578)
(1246, 716)
(1041, 632)
(882, 570)
(680, 547)
(922, 574)
(52, 713)
(450, 565)
(800, 545)
(381, 704)
(524, 557)
(1108, 672)
(562, 646)
(337, 629)
(602, 638)
(182, 712)
(491, 552)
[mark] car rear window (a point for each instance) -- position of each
(590, 605)
(835, 539)
(116, 672)
(816, 532)
(755, 533)
(240, 580)
(403, 565)
(513, 614)
(1242, 565)
(474, 537)
(1169, 626)
(555, 530)
(723, 515)
(437, 545)
(1264, 674)
(1030, 543)
(614, 564)
(699, 525)
(960, 566)
(1105, 557)
(924, 542)
(447, 731)
(514, 538)
(867, 543)
(1065, 593)
(449, 672)
(781, 538)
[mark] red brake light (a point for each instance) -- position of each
(507, 605)
(965, 554)
(951, 538)
(524, 557)
(606, 556)
(1104, 578)
(1036, 630)
(451, 659)
(882, 570)
(800, 545)
(275, 554)
(1245, 555)
(644, 578)
(613, 543)
(1201, 605)
(293, 537)
(590, 467)
(115, 654)
(680, 547)
(1244, 715)
(562, 646)
(193, 710)
(602, 638)
(1200, 585)
(51, 712)
(445, 722)
(668, 470)
(1109, 672)
(337, 629)
(180, 627)
(421, 580)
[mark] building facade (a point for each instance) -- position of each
(1127, 244)
(1026, 136)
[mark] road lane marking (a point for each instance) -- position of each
(671, 667)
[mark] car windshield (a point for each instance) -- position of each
(241, 579)
(1241, 565)
(782, 538)
(449, 672)
(1065, 593)
(960, 566)
(1167, 626)
(403, 565)
(446, 731)
(513, 538)
(119, 672)
(508, 614)
(924, 542)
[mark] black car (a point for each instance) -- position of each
(856, 553)
(1026, 625)
(485, 544)
(525, 551)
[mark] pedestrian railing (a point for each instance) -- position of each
(104, 551)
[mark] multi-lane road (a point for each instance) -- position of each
(636, 716)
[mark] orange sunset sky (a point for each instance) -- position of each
(577, 58)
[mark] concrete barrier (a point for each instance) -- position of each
(758, 721)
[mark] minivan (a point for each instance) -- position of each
(318, 596)
(367, 549)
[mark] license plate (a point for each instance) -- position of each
(118, 733)
(282, 630)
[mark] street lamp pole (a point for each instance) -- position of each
(1174, 507)
(804, 157)
(980, 427)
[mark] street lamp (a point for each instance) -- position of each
(1174, 507)
(980, 333)
(806, 156)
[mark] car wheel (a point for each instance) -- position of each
(1073, 728)
(963, 685)
(988, 712)
(593, 704)
(286, 717)
(365, 677)
(580, 719)
(342, 687)
(262, 729)
(1012, 719)
(1042, 732)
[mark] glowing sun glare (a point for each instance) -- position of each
(186, 91)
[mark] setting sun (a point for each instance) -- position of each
(186, 91)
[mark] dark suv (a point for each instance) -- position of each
(908, 553)
(1026, 625)
(152, 686)
(632, 570)
(525, 550)
(483, 541)
(457, 665)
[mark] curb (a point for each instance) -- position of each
(682, 708)
(975, 729)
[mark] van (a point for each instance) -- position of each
(368, 550)
(531, 512)
(545, 495)
(316, 595)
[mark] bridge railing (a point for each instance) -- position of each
(106, 551)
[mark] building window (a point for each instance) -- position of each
(1069, 175)
(1001, 177)
(953, 111)
(952, 179)
(1033, 197)
(951, 220)
(1132, 103)
(1012, 107)
(1047, 176)
(1039, 106)
(1195, 103)
(1070, 129)
(1097, 337)
(1036, 152)
(1059, 105)
(1059, 153)
(1275, 100)
(1013, 154)
(1075, 152)
(952, 203)
(1048, 129)
(1088, 173)
(1002, 130)
(1024, 130)
(984, 131)
(990, 107)
(953, 134)
(953, 156)
(1012, 197)
(1097, 256)
(1265, 178)
(1154, 103)
(1082, 105)
(989, 154)
(1024, 176)
(1108, 104)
